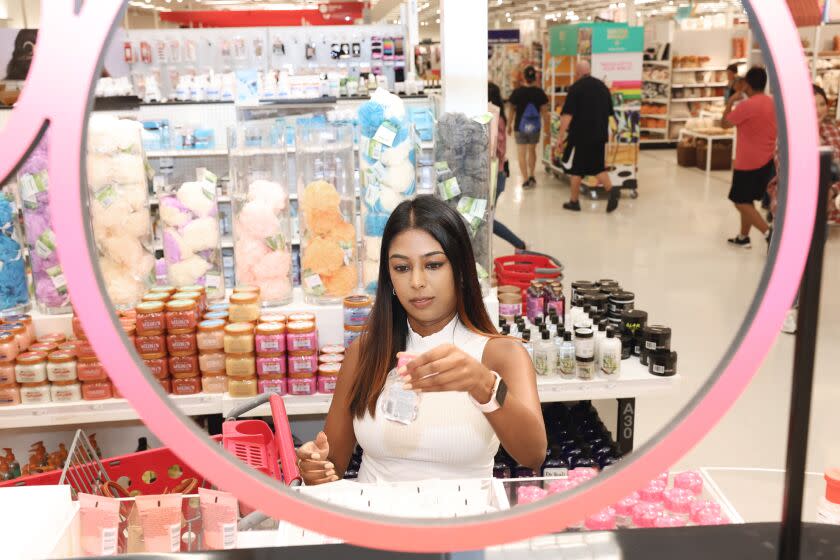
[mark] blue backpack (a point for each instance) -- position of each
(531, 122)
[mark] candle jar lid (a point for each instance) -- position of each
(180, 305)
(60, 357)
(244, 298)
(358, 301)
(31, 358)
(329, 370)
(295, 317)
(271, 328)
(192, 288)
(239, 328)
(195, 296)
(156, 296)
(246, 289)
(301, 327)
(273, 318)
(211, 325)
(150, 307)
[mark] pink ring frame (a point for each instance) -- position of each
(67, 118)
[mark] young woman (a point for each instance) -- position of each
(494, 96)
(476, 388)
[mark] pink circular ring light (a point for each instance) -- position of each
(67, 117)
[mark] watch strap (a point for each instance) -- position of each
(493, 404)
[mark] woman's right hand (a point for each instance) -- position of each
(314, 463)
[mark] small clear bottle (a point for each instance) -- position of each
(610, 355)
(544, 355)
(565, 357)
(600, 336)
(526, 342)
(400, 405)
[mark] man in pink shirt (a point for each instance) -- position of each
(754, 116)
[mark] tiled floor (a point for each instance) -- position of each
(669, 247)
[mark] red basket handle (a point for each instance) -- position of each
(285, 443)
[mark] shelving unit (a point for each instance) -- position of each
(662, 133)
(558, 72)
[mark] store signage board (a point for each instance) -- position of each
(609, 39)
(563, 40)
(64, 124)
(503, 36)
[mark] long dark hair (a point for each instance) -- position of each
(24, 50)
(494, 96)
(387, 330)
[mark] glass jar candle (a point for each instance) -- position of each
(301, 336)
(181, 367)
(305, 365)
(186, 386)
(214, 383)
(43, 347)
(211, 361)
(270, 338)
(211, 335)
(35, 393)
(217, 316)
(181, 314)
(305, 386)
(271, 365)
(357, 309)
(26, 321)
(158, 365)
(66, 391)
(240, 365)
(9, 396)
(241, 387)
(8, 347)
(151, 318)
(181, 343)
(147, 345)
(89, 369)
(272, 384)
(351, 334)
(244, 308)
(31, 367)
(326, 385)
(97, 390)
(61, 366)
(239, 338)
(7, 374)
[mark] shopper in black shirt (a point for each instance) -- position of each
(530, 105)
(586, 118)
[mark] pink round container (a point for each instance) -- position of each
(562, 485)
(652, 492)
(270, 338)
(278, 386)
(645, 514)
(302, 365)
(699, 506)
(583, 473)
(624, 510)
(326, 384)
(602, 521)
(667, 520)
(271, 365)
(710, 517)
(689, 480)
(529, 494)
(678, 501)
(301, 386)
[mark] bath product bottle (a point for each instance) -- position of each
(14, 466)
(610, 355)
(534, 301)
(565, 362)
(544, 355)
(537, 327)
(828, 510)
(526, 342)
(400, 405)
(600, 336)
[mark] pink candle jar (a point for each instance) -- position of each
(302, 366)
(699, 506)
(9, 396)
(624, 510)
(602, 521)
(301, 386)
(667, 520)
(270, 338)
(301, 336)
(646, 513)
(8, 347)
(326, 385)
(689, 480)
(678, 502)
(652, 493)
(271, 365)
(273, 384)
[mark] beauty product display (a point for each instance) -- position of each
(386, 171)
(191, 239)
(325, 170)
(610, 355)
(119, 207)
(99, 517)
(14, 295)
(262, 220)
(462, 156)
(357, 309)
(219, 515)
(51, 294)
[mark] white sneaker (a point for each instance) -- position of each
(789, 326)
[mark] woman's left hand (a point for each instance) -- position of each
(448, 368)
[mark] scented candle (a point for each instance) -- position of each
(303, 365)
(181, 343)
(271, 365)
(244, 307)
(186, 386)
(211, 335)
(8, 347)
(61, 366)
(181, 367)
(214, 383)
(270, 338)
(150, 319)
(181, 314)
(301, 336)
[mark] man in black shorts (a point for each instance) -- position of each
(586, 117)
(530, 105)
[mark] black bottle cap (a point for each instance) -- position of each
(567, 336)
(602, 326)
(505, 330)
(526, 336)
(610, 332)
(546, 335)
(538, 320)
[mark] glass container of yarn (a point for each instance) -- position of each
(14, 293)
(327, 208)
(119, 208)
(262, 218)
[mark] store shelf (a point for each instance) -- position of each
(657, 62)
(634, 381)
(661, 100)
(185, 153)
(657, 117)
(663, 82)
(679, 119)
(659, 130)
(707, 69)
(694, 99)
(712, 84)
(296, 405)
(153, 200)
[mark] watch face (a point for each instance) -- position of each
(501, 392)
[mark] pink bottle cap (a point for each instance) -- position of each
(645, 514)
(562, 485)
(690, 480)
(652, 492)
(404, 358)
(678, 500)
(625, 507)
(668, 520)
(710, 517)
(602, 521)
(529, 494)
(584, 473)
(698, 506)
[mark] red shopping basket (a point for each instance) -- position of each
(519, 269)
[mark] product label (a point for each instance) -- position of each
(268, 345)
(314, 284)
(472, 208)
(178, 366)
(276, 243)
(45, 244)
(658, 369)
(30, 186)
(509, 309)
(300, 387)
(541, 362)
(301, 364)
(270, 368)
(57, 278)
(386, 133)
(374, 150)
(109, 541)
(483, 119)
(106, 196)
(449, 189)
(482, 273)
(650, 345)
(150, 323)
(228, 536)
(372, 194)
(180, 345)
(442, 166)
(329, 386)
(176, 322)
(609, 363)
(61, 373)
(175, 537)
(301, 342)
(213, 282)
(585, 370)
(555, 472)
(566, 363)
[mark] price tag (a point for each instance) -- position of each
(228, 536)
(109, 541)
(30, 186)
(374, 150)
(175, 537)
(386, 133)
(483, 119)
(276, 243)
(213, 282)
(372, 193)
(45, 244)
(442, 166)
(106, 196)
(449, 189)
(314, 284)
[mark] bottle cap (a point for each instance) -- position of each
(505, 330)
(832, 485)
(610, 331)
(526, 335)
(603, 325)
(546, 335)
(538, 320)
(567, 336)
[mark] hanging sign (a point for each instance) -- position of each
(563, 40)
(619, 39)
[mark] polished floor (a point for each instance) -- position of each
(669, 247)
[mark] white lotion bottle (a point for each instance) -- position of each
(610, 355)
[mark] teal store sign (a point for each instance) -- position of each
(617, 39)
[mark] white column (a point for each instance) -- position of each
(412, 32)
(463, 42)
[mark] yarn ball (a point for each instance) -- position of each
(110, 219)
(320, 194)
(396, 155)
(48, 294)
(137, 224)
(136, 194)
(98, 171)
(6, 216)
(322, 256)
(122, 249)
(375, 224)
(343, 233)
(202, 234)
(37, 160)
(373, 248)
(268, 193)
(198, 196)
(172, 212)
(107, 134)
(394, 106)
(321, 221)
(371, 116)
(342, 282)
(142, 269)
(13, 286)
(122, 287)
(189, 271)
(126, 169)
(256, 219)
(399, 177)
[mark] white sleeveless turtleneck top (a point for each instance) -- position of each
(449, 439)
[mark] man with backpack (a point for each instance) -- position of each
(586, 116)
(531, 116)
